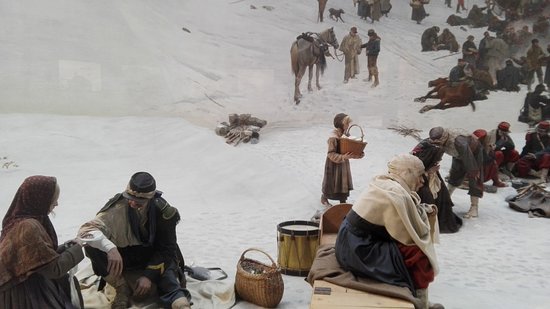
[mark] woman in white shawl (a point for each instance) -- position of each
(389, 235)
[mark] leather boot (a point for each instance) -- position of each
(375, 74)
(425, 303)
(544, 175)
(122, 289)
(181, 303)
(472, 213)
(370, 75)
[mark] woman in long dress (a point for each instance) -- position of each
(33, 269)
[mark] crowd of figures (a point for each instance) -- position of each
(505, 57)
(395, 221)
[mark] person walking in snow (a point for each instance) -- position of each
(418, 11)
(373, 49)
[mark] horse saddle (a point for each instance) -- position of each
(305, 36)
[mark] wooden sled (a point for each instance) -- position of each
(331, 296)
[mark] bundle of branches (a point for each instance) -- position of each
(405, 131)
(241, 128)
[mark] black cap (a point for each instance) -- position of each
(142, 186)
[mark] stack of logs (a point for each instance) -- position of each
(241, 128)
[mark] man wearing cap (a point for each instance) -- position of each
(132, 244)
(535, 156)
(373, 49)
(490, 167)
(351, 47)
(467, 154)
(506, 155)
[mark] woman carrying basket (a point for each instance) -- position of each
(337, 177)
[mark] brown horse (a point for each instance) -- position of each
(449, 96)
(310, 49)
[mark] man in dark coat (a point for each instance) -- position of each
(134, 235)
(469, 50)
(373, 49)
(457, 74)
(509, 77)
(429, 39)
(477, 18)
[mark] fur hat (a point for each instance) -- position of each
(371, 32)
(353, 29)
(142, 187)
(504, 126)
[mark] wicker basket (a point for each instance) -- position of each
(259, 283)
(349, 145)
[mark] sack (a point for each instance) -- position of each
(259, 283)
(533, 199)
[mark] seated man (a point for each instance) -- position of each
(506, 154)
(536, 105)
(135, 232)
(457, 74)
(388, 235)
(535, 156)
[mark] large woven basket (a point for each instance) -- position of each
(347, 145)
(259, 283)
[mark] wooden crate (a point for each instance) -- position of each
(330, 296)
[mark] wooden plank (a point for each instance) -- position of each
(346, 298)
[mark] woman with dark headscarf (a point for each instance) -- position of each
(434, 190)
(337, 178)
(33, 270)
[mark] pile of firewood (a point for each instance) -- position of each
(241, 128)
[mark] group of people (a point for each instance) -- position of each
(131, 243)
(352, 47)
(373, 9)
(390, 231)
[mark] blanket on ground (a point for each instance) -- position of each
(208, 294)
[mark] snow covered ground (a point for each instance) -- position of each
(92, 92)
